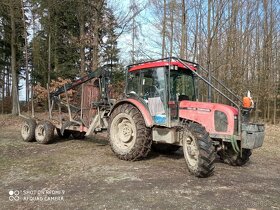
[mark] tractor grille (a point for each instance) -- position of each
(221, 121)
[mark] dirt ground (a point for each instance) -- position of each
(85, 174)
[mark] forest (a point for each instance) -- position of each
(237, 40)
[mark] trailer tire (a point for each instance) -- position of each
(66, 133)
(229, 157)
(129, 137)
(28, 130)
(44, 132)
(199, 151)
(165, 148)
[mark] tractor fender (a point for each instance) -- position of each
(140, 106)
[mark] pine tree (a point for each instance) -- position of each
(111, 51)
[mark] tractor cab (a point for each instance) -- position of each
(160, 86)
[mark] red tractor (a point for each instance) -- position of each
(160, 110)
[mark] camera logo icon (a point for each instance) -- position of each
(14, 195)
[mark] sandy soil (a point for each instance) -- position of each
(85, 174)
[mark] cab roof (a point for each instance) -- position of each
(161, 63)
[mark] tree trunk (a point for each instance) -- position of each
(96, 27)
(171, 27)
(95, 46)
(274, 109)
(183, 47)
(163, 30)
(3, 90)
(7, 76)
(133, 33)
(49, 49)
(26, 55)
(13, 61)
(196, 35)
(82, 37)
(209, 48)
(268, 110)
(276, 82)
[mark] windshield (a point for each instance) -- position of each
(182, 85)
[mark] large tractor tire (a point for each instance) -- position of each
(44, 132)
(28, 130)
(229, 156)
(199, 151)
(165, 148)
(129, 137)
(66, 134)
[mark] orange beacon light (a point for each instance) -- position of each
(246, 102)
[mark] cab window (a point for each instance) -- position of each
(153, 83)
(133, 80)
(182, 85)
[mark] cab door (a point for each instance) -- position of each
(154, 93)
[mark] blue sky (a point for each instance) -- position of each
(148, 34)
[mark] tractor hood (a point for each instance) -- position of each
(216, 118)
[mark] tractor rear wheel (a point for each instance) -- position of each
(130, 139)
(28, 130)
(44, 132)
(199, 151)
(229, 156)
(165, 148)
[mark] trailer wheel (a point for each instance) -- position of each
(165, 148)
(66, 133)
(232, 158)
(130, 139)
(28, 130)
(199, 151)
(78, 134)
(44, 132)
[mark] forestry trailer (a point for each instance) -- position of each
(159, 110)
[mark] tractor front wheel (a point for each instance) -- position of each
(229, 156)
(130, 139)
(44, 132)
(199, 151)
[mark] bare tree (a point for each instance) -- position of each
(184, 39)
